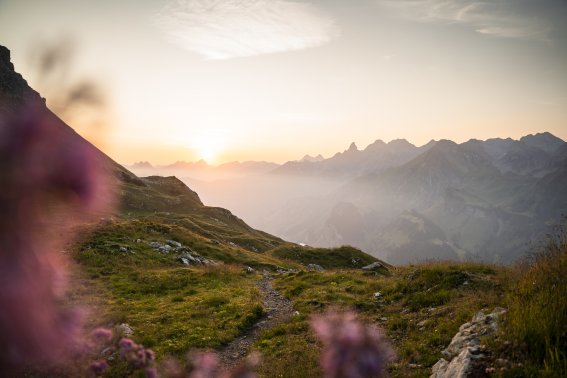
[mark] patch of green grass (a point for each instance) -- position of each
(420, 308)
(345, 257)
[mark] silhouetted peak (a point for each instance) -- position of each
(352, 147)
(445, 144)
(545, 141)
(312, 159)
(5, 61)
(378, 143)
(142, 164)
(400, 143)
(14, 90)
(429, 144)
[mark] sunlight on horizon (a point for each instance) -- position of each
(209, 144)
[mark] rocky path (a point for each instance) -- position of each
(277, 309)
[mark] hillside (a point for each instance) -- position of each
(174, 275)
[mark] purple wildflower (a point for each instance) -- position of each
(351, 349)
(101, 335)
(51, 181)
(204, 365)
(97, 368)
(136, 355)
(151, 373)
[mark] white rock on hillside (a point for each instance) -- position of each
(464, 348)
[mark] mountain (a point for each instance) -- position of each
(524, 159)
(311, 159)
(544, 141)
(202, 171)
(152, 205)
(487, 200)
(354, 162)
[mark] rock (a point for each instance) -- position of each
(155, 245)
(164, 249)
(173, 243)
(384, 319)
(459, 367)
(249, 269)
(373, 266)
(315, 267)
(423, 323)
(193, 259)
(377, 295)
(124, 249)
(184, 261)
(296, 313)
(124, 330)
(465, 346)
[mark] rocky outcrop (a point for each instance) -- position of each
(315, 268)
(464, 349)
(186, 255)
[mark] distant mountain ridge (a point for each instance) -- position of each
(487, 200)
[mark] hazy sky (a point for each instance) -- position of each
(276, 79)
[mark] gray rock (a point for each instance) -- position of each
(164, 249)
(125, 330)
(124, 249)
(193, 259)
(155, 245)
(184, 261)
(315, 267)
(374, 265)
(173, 243)
(465, 346)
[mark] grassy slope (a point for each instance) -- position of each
(421, 308)
(174, 308)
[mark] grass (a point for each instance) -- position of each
(536, 323)
(329, 258)
(173, 308)
(420, 308)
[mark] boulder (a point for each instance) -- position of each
(373, 266)
(173, 243)
(315, 267)
(464, 347)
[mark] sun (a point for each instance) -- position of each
(208, 145)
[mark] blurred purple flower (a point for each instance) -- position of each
(101, 335)
(136, 355)
(204, 365)
(50, 180)
(97, 368)
(350, 348)
(151, 373)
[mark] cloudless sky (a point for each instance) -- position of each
(275, 79)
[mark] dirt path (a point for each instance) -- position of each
(277, 309)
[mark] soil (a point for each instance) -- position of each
(277, 309)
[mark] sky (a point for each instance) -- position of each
(273, 80)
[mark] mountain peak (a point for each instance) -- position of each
(544, 141)
(352, 147)
(14, 89)
(400, 142)
(5, 58)
(312, 159)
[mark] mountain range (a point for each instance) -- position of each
(483, 200)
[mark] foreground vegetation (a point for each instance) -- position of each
(173, 308)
